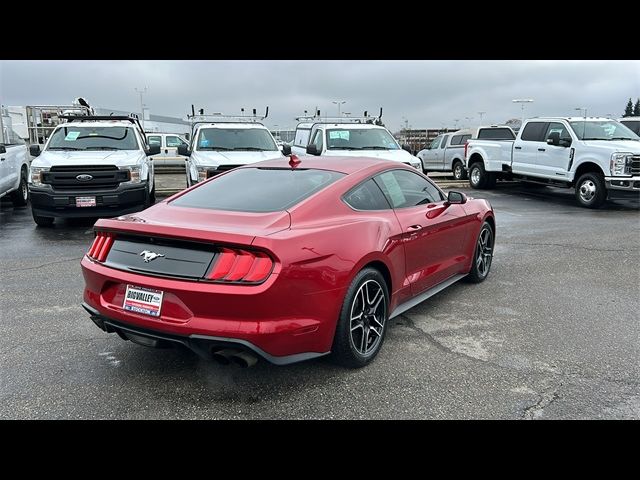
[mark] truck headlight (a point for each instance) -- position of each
(35, 175)
(416, 165)
(135, 174)
(621, 163)
(202, 173)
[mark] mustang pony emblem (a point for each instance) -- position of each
(148, 255)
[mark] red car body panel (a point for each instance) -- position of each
(318, 246)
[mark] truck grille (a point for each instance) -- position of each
(102, 177)
(635, 165)
(212, 172)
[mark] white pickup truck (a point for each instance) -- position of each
(599, 157)
(349, 137)
(14, 167)
(446, 151)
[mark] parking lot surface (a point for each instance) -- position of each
(553, 332)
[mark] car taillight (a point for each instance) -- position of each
(101, 246)
(242, 266)
(466, 146)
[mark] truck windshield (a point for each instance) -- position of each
(237, 139)
(76, 137)
(360, 139)
(602, 130)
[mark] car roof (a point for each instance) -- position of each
(570, 119)
(346, 165)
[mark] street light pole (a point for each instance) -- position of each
(481, 114)
(339, 102)
(522, 101)
(141, 92)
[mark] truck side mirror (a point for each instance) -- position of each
(554, 139)
(184, 150)
(406, 147)
(565, 142)
(312, 149)
(286, 150)
(153, 150)
(34, 150)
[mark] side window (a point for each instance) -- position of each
(444, 141)
(557, 127)
(456, 140)
(173, 141)
(317, 140)
(534, 132)
(154, 140)
(302, 138)
(407, 189)
(367, 196)
(435, 143)
(464, 139)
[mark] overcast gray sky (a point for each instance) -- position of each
(429, 94)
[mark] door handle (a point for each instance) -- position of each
(541, 149)
(166, 151)
(518, 148)
(2, 159)
(414, 228)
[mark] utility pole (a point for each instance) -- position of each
(141, 92)
(522, 101)
(339, 102)
(481, 114)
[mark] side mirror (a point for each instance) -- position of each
(184, 150)
(554, 139)
(565, 142)
(312, 150)
(286, 150)
(153, 150)
(3, 149)
(406, 147)
(34, 150)
(456, 198)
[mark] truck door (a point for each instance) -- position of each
(4, 169)
(553, 160)
(525, 148)
(433, 156)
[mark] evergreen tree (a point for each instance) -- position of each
(628, 112)
(636, 108)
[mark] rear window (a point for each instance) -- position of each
(258, 189)
(496, 134)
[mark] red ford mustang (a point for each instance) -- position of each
(285, 259)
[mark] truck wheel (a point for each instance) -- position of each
(590, 190)
(479, 178)
(459, 173)
(21, 196)
(43, 221)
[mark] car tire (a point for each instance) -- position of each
(355, 344)
(459, 172)
(479, 178)
(482, 254)
(21, 196)
(591, 191)
(43, 221)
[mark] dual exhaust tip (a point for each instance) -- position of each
(231, 355)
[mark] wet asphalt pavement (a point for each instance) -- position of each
(554, 332)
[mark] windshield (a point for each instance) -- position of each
(360, 139)
(237, 139)
(258, 189)
(602, 130)
(75, 137)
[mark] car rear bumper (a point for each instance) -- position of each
(203, 345)
(109, 203)
(271, 319)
